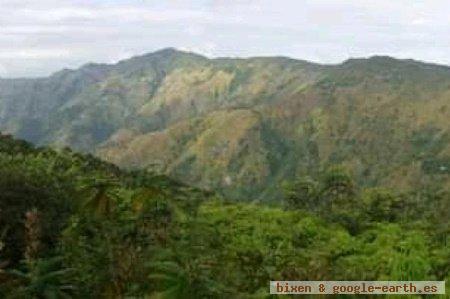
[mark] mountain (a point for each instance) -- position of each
(244, 125)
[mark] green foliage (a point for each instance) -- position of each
(404, 255)
(382, 205)
(107, 233)
(41, 278)
(184, 276)
(302, 194)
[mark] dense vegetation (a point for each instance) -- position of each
(243, 126)
(75, 227)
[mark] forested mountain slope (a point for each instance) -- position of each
(243, 126)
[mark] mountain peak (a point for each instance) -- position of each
(167, 51)
(172, 53)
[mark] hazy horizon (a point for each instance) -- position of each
(217, 57)
(40, 38)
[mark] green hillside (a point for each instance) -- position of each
(243, 126)
(72, 226)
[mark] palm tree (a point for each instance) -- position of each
(42, 278)
(101, 197)
(183, 277)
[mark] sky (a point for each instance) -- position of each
(38, 38)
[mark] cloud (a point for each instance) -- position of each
(3, 71)
(208, 49)
(34, 53)
(30, 29)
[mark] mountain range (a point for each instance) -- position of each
(243, 126)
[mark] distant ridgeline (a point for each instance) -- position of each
(243, 126)
(78, 167)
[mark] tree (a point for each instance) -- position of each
(338, 198)
(301, 194)
(382, 205)
(41, 279)
(25, 186)
(337, 184)
(100, 198)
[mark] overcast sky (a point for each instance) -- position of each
(38, 37)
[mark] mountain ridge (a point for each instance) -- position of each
(243, 125)
(175, 51)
